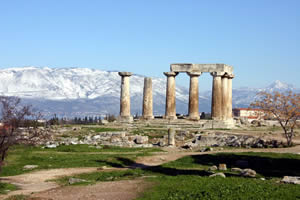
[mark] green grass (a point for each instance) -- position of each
(18, 197)
(6, 187)
(187, 178)
(265, 164)
(90, 148)
(232, 188)
(84, 156)
(101, 129)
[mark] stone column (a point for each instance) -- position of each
(147, 99)
(170, 96)
(194, 96)
(225, 98)
(216, 103)
(125, 97)
(171, 137)
(229, 105)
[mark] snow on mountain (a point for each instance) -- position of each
(73, 91)
(84, 91)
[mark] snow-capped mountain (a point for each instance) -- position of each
(84, 91)
(80, 91)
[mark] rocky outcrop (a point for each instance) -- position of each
(230, 140)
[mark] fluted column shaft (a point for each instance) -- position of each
(194, 96)
(125, 96)
(147, 99)
(170, 96)
(216, 107)
(225, 99)
(229, 89)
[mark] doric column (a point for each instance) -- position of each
(216, 102)
(170, 96)
(229, 105)
(147, 99)
(125, 97)
(224, 97)
(194, 96)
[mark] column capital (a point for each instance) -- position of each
(194, 73)
(217, 74)
(170, 74)
(125, 73)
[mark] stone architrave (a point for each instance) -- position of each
(147, 99)
(225, 97)
(194, 96)
(171, 137)
(229, 105)
(216, 103)
(170, 96)
(125, 97)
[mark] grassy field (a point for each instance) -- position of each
(187, 178)
(183, 179)
(70, 156)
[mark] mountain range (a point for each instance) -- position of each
(70, 92)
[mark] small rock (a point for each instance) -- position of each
(141, 140)
(222, 167)
(30, 167)
(102, 168)
(218, 174)
(51, 146)
(236, 170)
(291, 179)
(213, 168)
(248, 173)
(263, 179)
(75, 180)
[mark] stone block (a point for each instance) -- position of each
(222, 167)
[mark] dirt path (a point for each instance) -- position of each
(115, 190)
(36, 182)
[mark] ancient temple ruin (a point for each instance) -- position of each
(221, 109)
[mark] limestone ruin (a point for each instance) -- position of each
(221, 109)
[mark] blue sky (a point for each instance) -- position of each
(260, 38)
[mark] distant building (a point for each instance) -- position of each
(250, 113)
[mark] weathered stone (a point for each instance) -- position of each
(248, 173)
(170, 96)
(141, 139)
(28, 167)
(104, 121)
(194, 96)
(224, 97)
(291, 179)
(218, 174)
(171, 137)
(216, 108)
(102, 168)
(75, 180)
(213, 168)
(125, 97)
(147, 99)
(222, 167)
(236, 170)
(51, 146)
